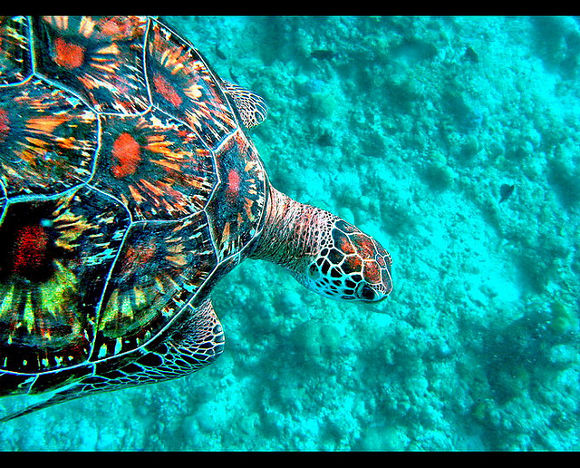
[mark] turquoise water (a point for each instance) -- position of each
(407, 127)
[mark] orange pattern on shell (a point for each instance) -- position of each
(127, 152)
(68, 55)
(29, 250)
(233, 184)
(4, 124)
(166, 90)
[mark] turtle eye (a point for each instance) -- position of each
(365, 292)
(313, 270)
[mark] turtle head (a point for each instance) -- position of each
(349, 265)
(323, 252)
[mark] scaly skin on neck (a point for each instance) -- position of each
(293, 231)
(323, 252)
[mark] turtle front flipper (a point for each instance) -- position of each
(251, 107)
(185, 348)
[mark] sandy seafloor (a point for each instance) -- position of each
(407, 127)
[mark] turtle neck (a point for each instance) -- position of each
(293, 232)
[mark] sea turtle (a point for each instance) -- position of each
(128, 187)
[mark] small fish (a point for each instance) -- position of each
(505, 191)
(323, 54)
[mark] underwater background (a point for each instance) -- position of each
(415, 129)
